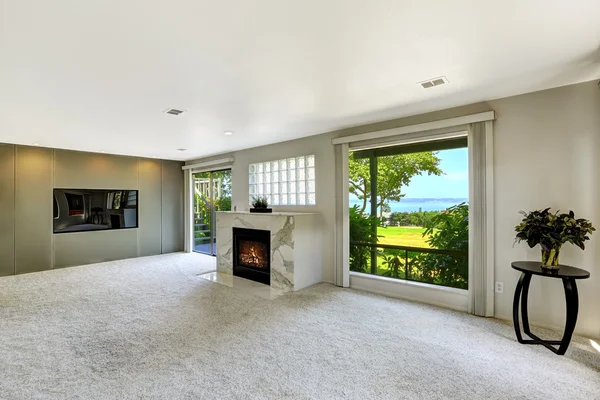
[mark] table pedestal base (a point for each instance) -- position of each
(572, 298)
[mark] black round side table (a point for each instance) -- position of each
(568, 275)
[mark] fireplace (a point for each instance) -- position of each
(252, 254)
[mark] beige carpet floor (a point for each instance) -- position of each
(149, 328)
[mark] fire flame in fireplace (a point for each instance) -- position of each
(253, 254)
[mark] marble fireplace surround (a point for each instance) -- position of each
(296, 245)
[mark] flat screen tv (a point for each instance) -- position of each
(81, 210)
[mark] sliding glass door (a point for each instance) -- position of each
(212, 193)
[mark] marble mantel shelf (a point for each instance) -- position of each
(275, 213)
(296, 245)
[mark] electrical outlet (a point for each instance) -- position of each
(499, 287)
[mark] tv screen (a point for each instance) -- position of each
(81, 210)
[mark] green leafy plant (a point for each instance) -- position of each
(260, 202)
(223, 203)
(448, 230)
(551, 231)
(362, 229)
(393, 261)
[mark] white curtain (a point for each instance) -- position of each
(481, 197)
(342, 229)
(481, 207)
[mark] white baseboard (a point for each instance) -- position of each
(556, 328)
(452, 298)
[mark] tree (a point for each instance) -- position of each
(385, 208)
(393, 172)
(223, 203)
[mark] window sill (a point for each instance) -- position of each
(443, 296)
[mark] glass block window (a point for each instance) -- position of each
(287, 182)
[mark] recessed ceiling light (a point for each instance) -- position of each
(36, 144)
(228, 133)
(181, 149)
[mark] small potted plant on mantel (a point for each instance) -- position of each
(551, 231)
(260, 205)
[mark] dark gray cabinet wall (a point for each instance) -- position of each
(7, 209)
(92, 247)
(172, 207)
(150, 208)
(27, 177)
(33, 209)
(77, 170)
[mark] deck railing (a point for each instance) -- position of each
(407, 262)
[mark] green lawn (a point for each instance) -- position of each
(411, 236)
(403, 236)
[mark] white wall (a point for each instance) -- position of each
(547, 154)
(322, 148)
(546, 149)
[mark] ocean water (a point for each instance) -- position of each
(408, 205)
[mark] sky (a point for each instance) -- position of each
(454, 183)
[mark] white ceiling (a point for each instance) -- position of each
(97, 74)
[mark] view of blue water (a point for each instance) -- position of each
(409, 205)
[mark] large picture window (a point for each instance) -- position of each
(290, 181)
(409, 212)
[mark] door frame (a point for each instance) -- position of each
(189, 169)
(211, 208)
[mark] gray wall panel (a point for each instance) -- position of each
(7, 209)
(27, 177)
(150, 207)
(33, 218)
(172, 206)
(78, 170)
(92, 247)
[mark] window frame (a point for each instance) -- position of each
(373, 156)
(285, 182)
